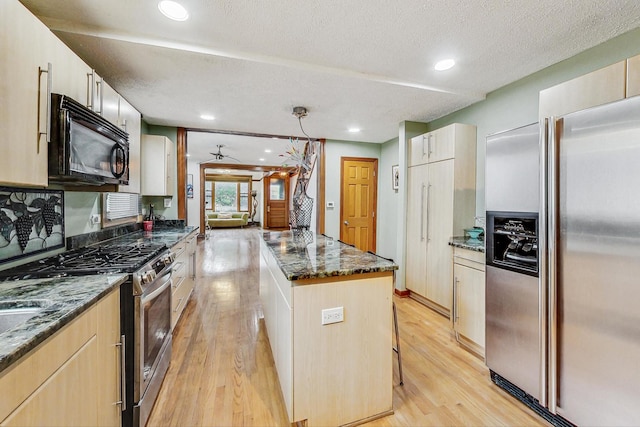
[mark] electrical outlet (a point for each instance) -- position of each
(332, 315)
(167, 203)
(95, 219)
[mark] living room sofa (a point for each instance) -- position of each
(227, 219)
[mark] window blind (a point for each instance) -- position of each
(121, 205)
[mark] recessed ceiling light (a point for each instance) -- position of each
(262, 160)
(445, 64)
(267, 150)
(207, 117)
(354, 130)
(173, 10)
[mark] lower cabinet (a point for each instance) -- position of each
(183, 277)
(71, 379)
(330, 374)
(468, 299)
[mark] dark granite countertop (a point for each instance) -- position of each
(166, 235)
(306, 255)
(468, 243)
(63, 298)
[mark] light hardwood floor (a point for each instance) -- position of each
(222, 371)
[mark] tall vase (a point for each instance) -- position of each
(302, 204)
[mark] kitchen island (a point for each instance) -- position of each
(328, 314)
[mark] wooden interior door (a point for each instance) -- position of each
(358, 201)
(276, 190)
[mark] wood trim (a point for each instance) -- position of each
(322, 176)
(182, 173)
(402, 293)
(369, 419)
(202, 181)
(255, 168)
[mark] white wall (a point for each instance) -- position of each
(193, 205)
(334, 150)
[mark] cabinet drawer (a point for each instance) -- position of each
(179, 269)
(469, 258)
(179, 299)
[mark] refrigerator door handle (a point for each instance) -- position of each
(542, 260)
(552, 197)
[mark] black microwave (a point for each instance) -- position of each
(85, 148)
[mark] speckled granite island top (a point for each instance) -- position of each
(63, 299)
(467, 243)
(305, 255)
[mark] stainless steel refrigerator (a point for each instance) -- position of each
(588, 271)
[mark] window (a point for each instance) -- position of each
(227, 193)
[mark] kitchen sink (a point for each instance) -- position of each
(14, 313)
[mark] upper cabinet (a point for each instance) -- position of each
(28, 47)
(157, 166)
(433, 146)
(130, 120)
(613, 83)
(35, 63)
(633, 76)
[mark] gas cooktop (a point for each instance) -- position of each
(98, 259)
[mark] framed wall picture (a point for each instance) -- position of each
(395, 177)
(31, 221)
(190, 186)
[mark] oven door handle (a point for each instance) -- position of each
(162, 288)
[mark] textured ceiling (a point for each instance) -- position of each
(359, 63)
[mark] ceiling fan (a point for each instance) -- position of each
(219, 156)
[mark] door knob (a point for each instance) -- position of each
(346, 223)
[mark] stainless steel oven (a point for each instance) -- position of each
(152, 326)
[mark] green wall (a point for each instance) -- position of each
(516, 104)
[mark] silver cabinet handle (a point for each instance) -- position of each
(428, 209)
(175, 310)
(429, 144)
(552, 168)
(123, 375)
(422, 212)
(423, 152)
(101, 99)
(455, 300)
(47, 131)
(456, 309)
(91, 81)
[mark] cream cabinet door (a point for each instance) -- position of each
(633, 76)
(596, 88)
(158, 166)
(108, 102)
(23, 44)
(416, 241)
(71, 76)
(440, 144)
(439, 228)
(131, 121)
(109, 373)
(469, 312)
(418, 150)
